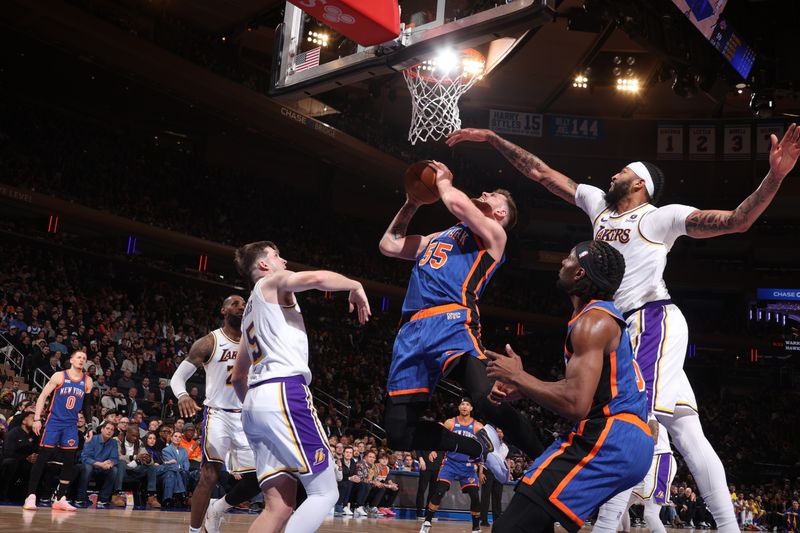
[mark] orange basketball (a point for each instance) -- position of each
(420, 182)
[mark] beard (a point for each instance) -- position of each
(234, 321)
(617, 193)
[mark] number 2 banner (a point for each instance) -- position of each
(736, 141)
(702, 142)
(670, 141)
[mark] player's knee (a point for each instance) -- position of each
(209, 473)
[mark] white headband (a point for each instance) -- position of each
(641, 171)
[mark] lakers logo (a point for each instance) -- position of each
(608, 235)
(660, 495)
(319, 456)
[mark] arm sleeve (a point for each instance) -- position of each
(591, 200)
(178, 382)
(665, 224)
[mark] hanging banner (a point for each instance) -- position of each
(515, 123)
(702, 142)
(763, 144)
(574, 127)
(670, 141)
(736, 140)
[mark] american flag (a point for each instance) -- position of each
(307, 59)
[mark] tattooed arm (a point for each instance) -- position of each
(527, 163)
(782, 158)
(395, 242)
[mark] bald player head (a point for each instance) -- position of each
(232, 311)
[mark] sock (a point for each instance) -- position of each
(62, 490)
(476, 522)
(222, 505)
(429, 514)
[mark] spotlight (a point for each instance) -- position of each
(580, 82)
(628, 85)
(762, 105)
(446, 61)
(318, 38)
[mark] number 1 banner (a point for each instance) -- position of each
(670, 141)
(702, 142)
(736, 141)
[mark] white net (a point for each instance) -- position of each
(435, 90)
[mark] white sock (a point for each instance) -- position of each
(221, 505)
(652, 515)
(610, 513)
(705, 466)
(194, 529)
(322, 496)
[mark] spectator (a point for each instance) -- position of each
(112, 399)
(192, 447)
(131, 402)
(792, 517)
(58, 345)
(99, 459)
(177, 460)
(370, 491)
(19, 455)
(349, 483)
(386, 502)
(164, 437)
(136, 465)
(126, 382)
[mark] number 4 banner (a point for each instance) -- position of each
(702, 142)
(736, 140)
(670, 141)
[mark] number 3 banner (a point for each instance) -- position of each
(736, 142)
(670, 141)
(702, 142)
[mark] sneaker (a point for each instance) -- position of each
(103, 505)
(82, 504)
(152, 502)
(359, 512)
(213, 517)
(492, 458)
(374, 511)
(338, 514)
(118, 501)
(476, 530)
(426, 527)
(387, 511)
(63, 505)
(347, 511)
(30, 502)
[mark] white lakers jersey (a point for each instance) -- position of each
(644, 235)
(219, 391)
(276, 340)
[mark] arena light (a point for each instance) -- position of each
(446, 61)
(318, 38)
(580, 82)
(628, 85)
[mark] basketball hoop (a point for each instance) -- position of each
(435, 86)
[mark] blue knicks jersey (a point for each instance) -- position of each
(467, 430)
(454, 268)
(621, 388)
(67, 400)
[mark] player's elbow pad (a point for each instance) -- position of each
(182, 374)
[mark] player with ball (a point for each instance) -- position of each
(440, 332)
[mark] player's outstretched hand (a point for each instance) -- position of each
(443, 174)
(37, 427)
(468, 134)
(783, 155)
(504, 367)
(187, 406)
(358, 300)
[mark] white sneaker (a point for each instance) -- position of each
(495, 462)
(30, 502)
(426, 527)
(375, 511)
(213, 517)
(360, 512)
(347, 511)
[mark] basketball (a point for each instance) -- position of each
(420, 182)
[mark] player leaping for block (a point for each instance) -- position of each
(271, 378)
(222, 433)
(440, 335)
(627, 217)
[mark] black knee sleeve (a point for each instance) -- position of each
(474, 500)
(45, 455)
(246, 489)
(438, 493)
(400, 423)
(68, 465)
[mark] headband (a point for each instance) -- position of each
(641, 171)
(587, 263)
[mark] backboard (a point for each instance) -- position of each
(493, 27)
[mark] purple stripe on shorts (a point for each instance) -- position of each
(663, 478)
(648, 350)
(314, 448)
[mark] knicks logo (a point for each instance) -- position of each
(319, 456)
(71, 442)
(610, 235)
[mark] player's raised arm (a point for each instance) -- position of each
(524, 161)
(395, 242)
(55, 381)
(198, 354)
(783, 155)
(572, 396)
(324, 280)
(458, 203)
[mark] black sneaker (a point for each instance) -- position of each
(103, 505)
(80, 504)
